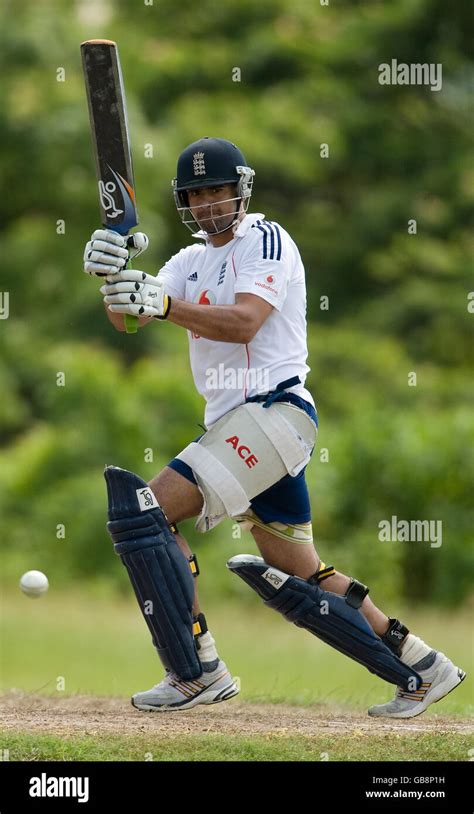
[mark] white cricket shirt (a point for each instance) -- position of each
(261, 259)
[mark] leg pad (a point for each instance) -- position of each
(159, 571)
(325, 614)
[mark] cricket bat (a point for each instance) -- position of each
(111, 141)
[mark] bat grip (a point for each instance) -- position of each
(130, 321)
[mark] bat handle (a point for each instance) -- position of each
(131, 323)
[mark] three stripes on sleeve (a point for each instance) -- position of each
(271, 241)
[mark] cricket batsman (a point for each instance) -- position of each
(239, 291)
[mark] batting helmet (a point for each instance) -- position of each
(211, 162)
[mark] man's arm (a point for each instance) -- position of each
(224, 323)
(134, 292)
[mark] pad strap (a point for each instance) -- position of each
(356, 593)
(324, 571)
(276, 427)
(199, 625)
(217, 476)
(273, 395)
(395, 635)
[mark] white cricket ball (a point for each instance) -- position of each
(34, 584)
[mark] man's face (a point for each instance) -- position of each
(211, 207)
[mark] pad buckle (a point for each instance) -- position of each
(193, 565)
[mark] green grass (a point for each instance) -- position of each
(101, 646)
(224, 747)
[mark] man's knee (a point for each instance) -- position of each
(296, 533)
(179, 498)
(293, 558)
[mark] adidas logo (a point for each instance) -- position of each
(193, 276)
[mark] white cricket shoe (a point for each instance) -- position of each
(173, 693)
(438, 680)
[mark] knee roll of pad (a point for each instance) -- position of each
(159, 571)
(327, 615)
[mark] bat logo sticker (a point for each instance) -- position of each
(106, 190)
(109, 203)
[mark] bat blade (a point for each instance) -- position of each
(110, 138)
(109, 125)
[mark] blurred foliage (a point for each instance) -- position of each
(397, 301)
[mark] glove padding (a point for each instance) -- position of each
(133, 292)
(107, 252)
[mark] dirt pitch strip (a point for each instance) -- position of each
(89, 715)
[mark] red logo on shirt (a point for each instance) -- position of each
(264, 285)
(206, 297)
(270, 279)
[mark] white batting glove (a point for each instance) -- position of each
(133, 292)
(107, 252)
